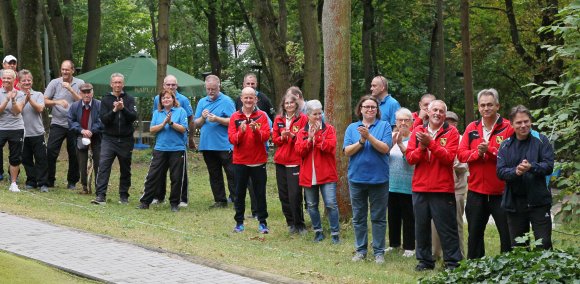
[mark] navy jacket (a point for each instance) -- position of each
(531, 186)
(75, 113)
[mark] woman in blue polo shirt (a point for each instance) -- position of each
(169, 123)
(367, 143)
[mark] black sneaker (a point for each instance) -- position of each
(423, 267)
(71, 186)
(218, 205)
(318, 236)
(143, 206)
(124, 200)
(174, 208)
(335, 239)
(100, 200)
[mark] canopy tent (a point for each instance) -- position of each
(140, 71)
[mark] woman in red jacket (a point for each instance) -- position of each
(316, 144)
(286, 126)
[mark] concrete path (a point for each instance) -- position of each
(101, 258)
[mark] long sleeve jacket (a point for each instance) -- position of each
(285, 153)
(318, 154)
(118, 124)
(249, 148)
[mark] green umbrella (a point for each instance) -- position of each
(140, 71)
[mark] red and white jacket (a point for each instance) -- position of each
(285, 153)
(482, 170)
(322, 150)
(249, 148)
(433, 165)
(416, 120)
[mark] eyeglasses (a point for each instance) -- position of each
(171, 85)
(86, 91)
(369, 107)
(403, 120)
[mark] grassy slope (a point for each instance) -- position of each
(206, 233)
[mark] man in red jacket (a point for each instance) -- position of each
(479, 148)
(421, 116)
(248, 130)
(432, 148)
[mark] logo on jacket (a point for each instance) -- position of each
(499, 139)
(259, 125)
(443, 142)
(295, 128)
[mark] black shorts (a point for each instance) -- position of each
(15, 139)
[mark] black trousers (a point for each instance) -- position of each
(34, 161)
(290, 194)
(400, 212)
(83, 157)
(111, 148)
(56, 136)
(478, 208)
(162, 188)
(540, 219)
(441, 208)
(162, 161)
(215, 161)
(259, 177)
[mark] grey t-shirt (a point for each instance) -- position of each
(55, 91)
(9, 121)
(33, 119)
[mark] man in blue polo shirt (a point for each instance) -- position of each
(212, 115)
(170, 83)
(388, 104)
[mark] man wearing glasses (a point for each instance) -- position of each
(170, 84)
(84, 121)
(388, 104)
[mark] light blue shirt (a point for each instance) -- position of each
(400, 171)
(183, 102)
(388, 107)
(214, 136)
(368, 165)
(169, 139)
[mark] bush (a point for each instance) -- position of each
(522, 265)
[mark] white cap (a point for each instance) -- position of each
(9, 58)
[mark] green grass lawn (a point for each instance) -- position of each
(14, 269)
(201, 232)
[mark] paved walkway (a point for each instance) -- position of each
(102, 258)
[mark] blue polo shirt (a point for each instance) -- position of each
(183, 102)
(214, 136)
(368, 165)
(169, 139)
(388, 107)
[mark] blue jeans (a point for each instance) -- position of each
(328, 191)
(378, 196)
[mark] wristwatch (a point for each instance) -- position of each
(171, 123)
(360, 142)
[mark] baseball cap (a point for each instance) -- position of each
(9, 58)
(86, 86)
(452, 115)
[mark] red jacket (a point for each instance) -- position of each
(322, 150)
(417, 121)
(285, 153)
(434, 165)
(482, 170)
(249, 148)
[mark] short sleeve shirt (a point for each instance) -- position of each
(388, 107)
(183, 102)
(214, 136)
(169, 139)
(8, 120)
(32, 118)
(55, 91)
(368, 165)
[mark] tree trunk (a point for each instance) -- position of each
(432, 79)
(54, 56)
(8, 28)
(93, 36)
(467, 71)
(68, 24)
(212, 31)
(310, 37)
(163, 51)
(367, 35)
(336, 17)
(515, 36)
(30, 53)
(257, 44)
(59, 28)
(440, 52)
(283, 20)
(152, 9)
(274, 48)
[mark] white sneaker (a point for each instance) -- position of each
(182, 204)
(155, 201)
(14, 187)
(389, 249)
(409, 253)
